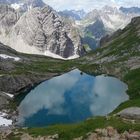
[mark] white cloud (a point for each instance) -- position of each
(50, 99)
(105, 87)
(89, 4)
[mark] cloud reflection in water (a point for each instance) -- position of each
(71, 97)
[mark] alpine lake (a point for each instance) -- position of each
(70, 98)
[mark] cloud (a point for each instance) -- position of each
(88, 5)
(51, 98)
(107, 89)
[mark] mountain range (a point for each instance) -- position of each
(132, 10)
(31, 26)
(73, 14)
(98, 23)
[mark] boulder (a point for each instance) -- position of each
(132, 113)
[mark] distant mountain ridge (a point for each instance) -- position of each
(130, 10)
(98, 23)
(73, 14)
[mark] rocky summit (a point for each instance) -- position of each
(39, 31)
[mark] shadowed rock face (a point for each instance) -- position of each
(39, 31)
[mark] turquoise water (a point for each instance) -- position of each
(70, 98)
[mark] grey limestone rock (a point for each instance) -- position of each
(130, 113)
(39, 31)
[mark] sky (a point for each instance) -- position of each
(89, 5)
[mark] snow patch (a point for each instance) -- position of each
(4, 121)
(20, 45)
(50, 54)
(10, 95)
(4, 56)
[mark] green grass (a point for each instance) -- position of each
(132, 78)
(43, 67)
(127, 104)
(68, 132)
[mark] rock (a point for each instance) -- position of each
(102, 132)
(132, 113)
(111, 131)
(93, 136)
(56, 136)
(8, 18)
(112, 134)
(39, 31)
(26, 137)
(4, 100)
(21, 82)
(80, 138)
(133, 136)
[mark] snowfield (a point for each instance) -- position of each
(10, 95)
(4, 56)
(50, 54)
(4, 121)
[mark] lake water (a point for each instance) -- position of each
(70, 98)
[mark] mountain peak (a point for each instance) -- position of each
(73, 14)
(40, 31)
(110, 9)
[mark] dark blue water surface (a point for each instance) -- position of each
(69, 98)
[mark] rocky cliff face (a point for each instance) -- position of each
(39, 31)
(8, 18)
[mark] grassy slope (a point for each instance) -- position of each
(133, 81)
(68, 132)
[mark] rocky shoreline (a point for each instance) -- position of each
(108, 133)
